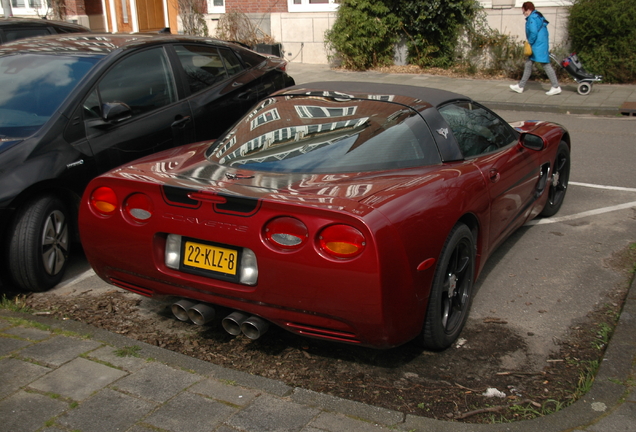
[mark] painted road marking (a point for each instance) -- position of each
(589, 212)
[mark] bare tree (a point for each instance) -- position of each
(236, 26)
(192, 18)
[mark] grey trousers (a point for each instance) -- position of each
(547, 67)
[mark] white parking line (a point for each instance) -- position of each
(589, 212)
(616, 188)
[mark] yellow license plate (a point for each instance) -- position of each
(208, 257)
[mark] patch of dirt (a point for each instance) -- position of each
(489, 358)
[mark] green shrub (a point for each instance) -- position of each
(363, 34)
(365, 31)
(432, 28)
(602, 33)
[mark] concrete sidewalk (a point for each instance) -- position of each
(66, 376)
(604, 99)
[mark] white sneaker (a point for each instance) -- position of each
(553, 91)
(516, 88)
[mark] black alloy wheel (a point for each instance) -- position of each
(451, 293)
(559, 181)
(39, 243)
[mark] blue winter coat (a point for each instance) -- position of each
(538, 37)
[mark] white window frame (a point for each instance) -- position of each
(27, 11)
(304, 111)
(215, 9)
(305, 6)
(266, 117)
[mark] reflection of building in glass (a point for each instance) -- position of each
(272, 124)
(309, 111)
(279, 137)
(265, 117)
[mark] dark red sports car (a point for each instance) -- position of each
(353, 212)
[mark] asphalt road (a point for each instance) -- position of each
(552, 272)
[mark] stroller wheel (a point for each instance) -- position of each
(584, 88)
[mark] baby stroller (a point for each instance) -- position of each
(573, 66)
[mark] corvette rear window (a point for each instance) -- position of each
(314, 134)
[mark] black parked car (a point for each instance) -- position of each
(73, 106)
(12, 29)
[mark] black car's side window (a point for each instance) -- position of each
(202, 65)
(477, 129)
(232, 63)
(22, 33)
(143, 81)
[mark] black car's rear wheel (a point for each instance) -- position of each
(451, 293)
(560, 180)
(39, 244)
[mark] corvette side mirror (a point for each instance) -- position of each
(532, 142)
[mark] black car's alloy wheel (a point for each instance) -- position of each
(451, 293)
(559, 182)
(39, 244)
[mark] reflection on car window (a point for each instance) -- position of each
(477, 129)
(232, 63)
(143, 81)
(22, 33)
(203, 66)
(33, 86)
(379, 136)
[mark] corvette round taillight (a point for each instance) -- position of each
(139, 207)
(286, 233)
(104, 200)
(341, 241)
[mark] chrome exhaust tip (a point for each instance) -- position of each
(180, 309)
(254, 327)
(232, 323)
(201, 313)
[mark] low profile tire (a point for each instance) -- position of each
(559, 181)
(451, 293)
(584, 88)
(38, 247)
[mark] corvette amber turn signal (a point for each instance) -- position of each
(104, 200)
(341, 241)
(286, 232)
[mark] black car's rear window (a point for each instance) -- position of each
(314, 134)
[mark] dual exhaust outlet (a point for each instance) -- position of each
(235, 323)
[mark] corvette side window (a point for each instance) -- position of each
(477, 129)
(203, 66)
(143, 81)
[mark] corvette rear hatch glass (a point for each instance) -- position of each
(310, 134)
(33, 86)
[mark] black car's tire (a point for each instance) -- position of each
(39, 242)
(451, 293)
(559, 181)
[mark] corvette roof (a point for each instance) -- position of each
(431, 95)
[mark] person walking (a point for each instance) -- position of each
(538, 38)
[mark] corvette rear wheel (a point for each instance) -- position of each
(451, 293)
(560, 180)
(39, 244)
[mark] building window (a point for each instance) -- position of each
(312, 5)
(216, 6)
(307, 111)
(34, 4)
(266, 117)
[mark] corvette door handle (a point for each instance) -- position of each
(181, 123)
(494, 175)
